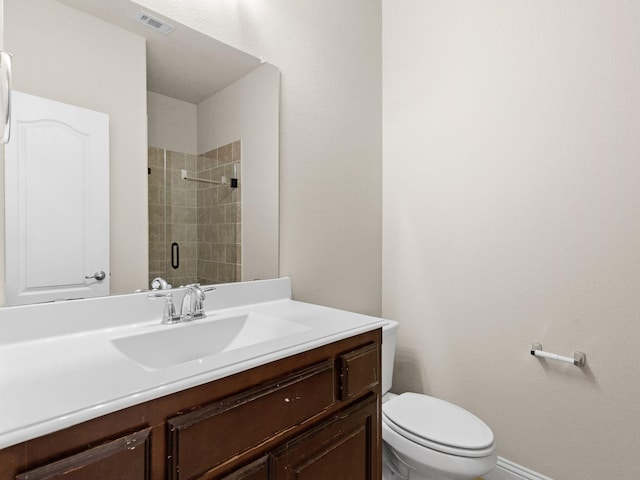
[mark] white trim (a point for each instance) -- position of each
(506, 470)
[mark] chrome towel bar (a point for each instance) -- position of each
(579, 358)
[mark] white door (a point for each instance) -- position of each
(56, 202)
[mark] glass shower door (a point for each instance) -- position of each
(195, 216)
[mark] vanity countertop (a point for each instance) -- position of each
(60, 366)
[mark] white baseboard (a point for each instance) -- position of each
(506, 470)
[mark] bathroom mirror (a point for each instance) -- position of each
(203, 99)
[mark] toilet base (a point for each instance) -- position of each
(393, 468)
(389, 474)
(396, 467)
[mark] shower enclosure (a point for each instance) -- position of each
(195, 215)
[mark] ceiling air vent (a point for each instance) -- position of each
(152, 22)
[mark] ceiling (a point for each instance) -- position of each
(186, 64)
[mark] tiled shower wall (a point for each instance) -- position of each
(202, 218)
(219, 216)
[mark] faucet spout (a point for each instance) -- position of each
(193, 302)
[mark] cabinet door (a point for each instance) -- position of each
(359, 371)
(346, 447)
(201, 440)
(126, 458)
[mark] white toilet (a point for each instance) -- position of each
(425, 438)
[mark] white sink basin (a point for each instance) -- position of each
(170, 345)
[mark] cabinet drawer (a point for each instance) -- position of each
(202, 439)
(359, 371)
(126, 458)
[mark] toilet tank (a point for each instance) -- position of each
(389, 331)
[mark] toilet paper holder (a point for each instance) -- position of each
(579, 358)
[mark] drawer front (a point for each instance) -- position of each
(126, 458)
(202, 439)
(359, 371)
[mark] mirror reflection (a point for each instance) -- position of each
(188, 117)
(195, 215)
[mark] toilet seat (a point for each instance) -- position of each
(438, 425)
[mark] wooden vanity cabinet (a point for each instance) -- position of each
(342, 447)
(311, 416)
(125, 458)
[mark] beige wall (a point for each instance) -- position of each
(62, 54)
(248, 110)
(330, 134)
(511, 215)
(172, 124)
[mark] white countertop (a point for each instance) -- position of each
(73, 372)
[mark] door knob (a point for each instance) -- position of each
(98, 275)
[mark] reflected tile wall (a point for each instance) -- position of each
(204, 219)
(219, 216)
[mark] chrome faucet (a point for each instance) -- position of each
(193, 302)
(192, 306)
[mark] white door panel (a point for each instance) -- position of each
(56, 201)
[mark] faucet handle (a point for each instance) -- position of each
(160, 283)
(169, 315)
(201, 290)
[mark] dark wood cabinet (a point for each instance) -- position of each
(203, 439)
(342, 448)
(126, 458)
(311, 416)
(358, 371)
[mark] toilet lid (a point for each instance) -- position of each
(438, 424)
